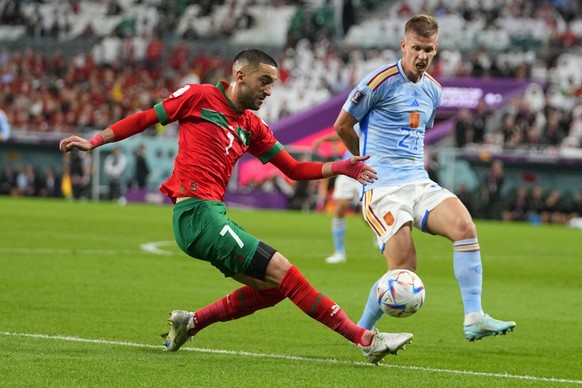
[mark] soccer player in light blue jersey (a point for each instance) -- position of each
(394, 106)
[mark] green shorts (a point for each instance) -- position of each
(203, 231)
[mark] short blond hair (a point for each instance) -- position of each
(423, 25)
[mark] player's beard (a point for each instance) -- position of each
(257, 103)
(253, 101)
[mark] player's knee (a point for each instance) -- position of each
(465, 228)
(277, 268)
(280, 262)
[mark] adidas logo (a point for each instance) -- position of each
(415, 103)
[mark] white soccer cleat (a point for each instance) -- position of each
(384, 344)
(487, 326)
(336, 258)
(181, 322)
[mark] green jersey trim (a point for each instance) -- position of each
(271, 152)
(161, 113)
(221, 87)
(214, 117)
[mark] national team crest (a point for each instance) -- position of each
(414, 119)
(243, 135)
(389, 218)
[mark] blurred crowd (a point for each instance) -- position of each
(534, 204)
(27, 180)
(135, 65)
(530, 202)
(529, 122)
(149, 50)
(537, 205)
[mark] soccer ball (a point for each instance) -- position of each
(400, 293)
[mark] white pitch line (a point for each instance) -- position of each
(153, 247)
(68, 251)
(294, 358)
(156, 248)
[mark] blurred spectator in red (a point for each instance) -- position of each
(568, 39)
(179, 54)
(154, 52)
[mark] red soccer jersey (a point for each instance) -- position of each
(213, 136)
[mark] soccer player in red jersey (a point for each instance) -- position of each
(216, 128)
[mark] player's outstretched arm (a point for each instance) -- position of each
(354, 168)
(122, 129)
(68, 143)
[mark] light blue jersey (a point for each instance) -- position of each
(393, 115)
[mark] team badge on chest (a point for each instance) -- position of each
(414, 119)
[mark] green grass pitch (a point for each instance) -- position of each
(85, 289)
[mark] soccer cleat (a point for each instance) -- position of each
(336, 258)
(487, 326)
(181, 322)
(384, 344)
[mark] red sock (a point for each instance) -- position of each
(318, 306)
(241, 302)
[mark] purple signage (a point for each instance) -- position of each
(457, 93)
(467, 92)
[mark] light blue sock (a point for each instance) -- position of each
(338, 230)
(469, 273)
(372, 312)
